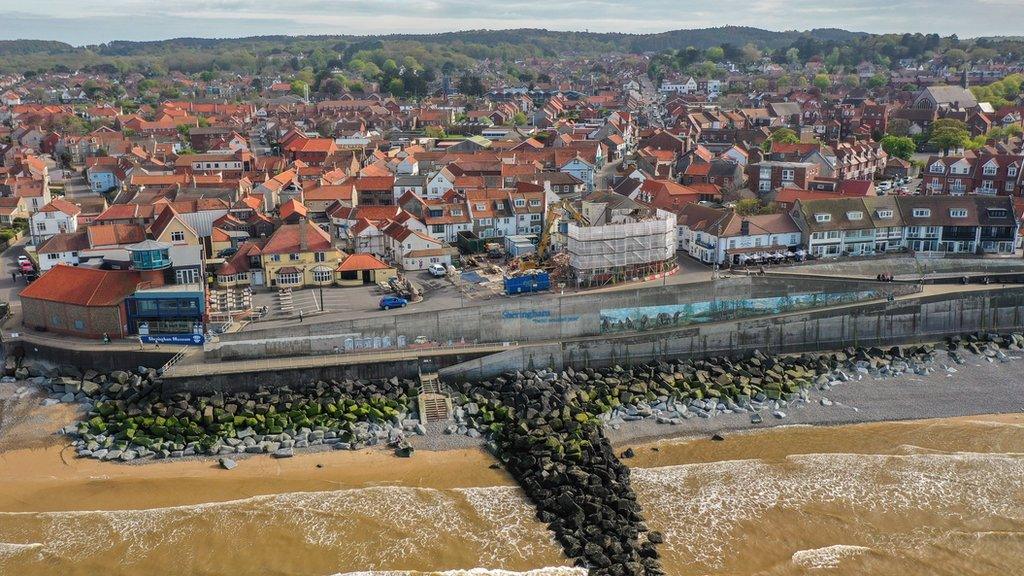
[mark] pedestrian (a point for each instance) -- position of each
(14, 277)
(300, 316)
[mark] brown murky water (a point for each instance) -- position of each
(926, 497)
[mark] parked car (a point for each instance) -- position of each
(389, 302)
(437, 270)
(227, 252)
(26, 267)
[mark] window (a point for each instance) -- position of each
(52, 256)
(764, 185)
(823, 217)
(519, 202)
(40, 226)
(293, 257)
(535, 203)
(922, 212)
(884, 213)
(321, 275)
(320, 256)
(289, 278)
(186, 276)
(937, 168)
(958, 213)
(788, 175)
(989, 171)
(456, 212)
(535, 217)
(79, 325)
(275, 257)
(1011, 171)
(177, 236)
(997, 213)
(766, 173)
(481, 207)
(855, 215)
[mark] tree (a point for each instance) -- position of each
(434, 132)
(470, 85)
(299, 88)
(396, 87)
(822, 82)
(948, 134)
(715, 54)
(793, 56)
(877, 81)
(519, 119)
(899, 146)
(781, 136)
(898, 127)
(753, 207)
(751, 53)
(332, 87)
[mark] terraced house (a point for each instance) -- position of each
(988, 174)
(921, 224)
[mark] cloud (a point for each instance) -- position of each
(92, 21)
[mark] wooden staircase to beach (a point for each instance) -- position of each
(434, 404)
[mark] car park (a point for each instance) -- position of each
(389, 302)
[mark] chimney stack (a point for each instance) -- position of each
(303, 235)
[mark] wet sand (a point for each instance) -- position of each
(51, 478)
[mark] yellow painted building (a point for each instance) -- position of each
(300, 255)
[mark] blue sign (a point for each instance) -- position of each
(186, 339)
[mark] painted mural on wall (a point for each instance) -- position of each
(652, 317)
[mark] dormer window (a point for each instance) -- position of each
(937, 168)
(854, 215)
(481, 207)
(456, 212)
(958, 213)
(534, 203)
(882, 214)
(1011, 171)
(823, 217)
(989, 170)
(922, 212)
(997, 213)
(519, 202)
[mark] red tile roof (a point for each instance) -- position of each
(288, 239)
(361, 262)
(61, 205)
(83, 286)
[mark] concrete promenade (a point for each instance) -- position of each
(195, 366)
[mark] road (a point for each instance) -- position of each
(9, 287)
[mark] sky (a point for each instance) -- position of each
(91, 22)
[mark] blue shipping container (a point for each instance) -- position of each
(527, 283)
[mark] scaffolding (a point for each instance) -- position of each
(610, 253)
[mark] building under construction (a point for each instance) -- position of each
(616, 240)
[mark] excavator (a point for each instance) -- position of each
(555, 212)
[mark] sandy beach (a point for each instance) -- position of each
(39, 472)
(922, 445)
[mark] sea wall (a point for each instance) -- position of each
(921, 319)
(563, 317)
(111, 359)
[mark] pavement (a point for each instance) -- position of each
(438, 294)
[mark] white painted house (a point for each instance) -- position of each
(56, 217)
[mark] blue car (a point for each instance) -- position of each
(389, 302)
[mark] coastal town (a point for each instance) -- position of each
(231, 251)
